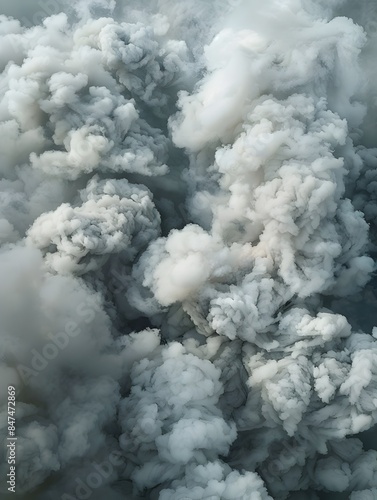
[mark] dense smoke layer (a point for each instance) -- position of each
(187, 249)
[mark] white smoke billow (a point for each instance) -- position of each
(188, 238)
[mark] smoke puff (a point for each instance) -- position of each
(216, 479)
(114, 217)
(172, 413)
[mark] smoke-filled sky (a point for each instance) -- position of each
(188, 197)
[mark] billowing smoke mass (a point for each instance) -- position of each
(188, 248)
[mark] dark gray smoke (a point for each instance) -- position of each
(187, 249)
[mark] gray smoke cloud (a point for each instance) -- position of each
(187, 249)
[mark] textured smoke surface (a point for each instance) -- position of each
(188, 199)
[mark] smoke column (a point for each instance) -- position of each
(188, 203)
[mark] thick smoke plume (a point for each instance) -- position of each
(188, 238)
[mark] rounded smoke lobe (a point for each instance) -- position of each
(187, 249)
